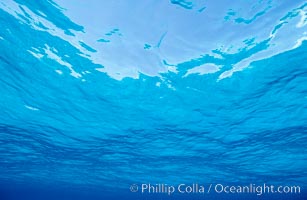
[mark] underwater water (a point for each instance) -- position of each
(172, 99)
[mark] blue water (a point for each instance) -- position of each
(97, 96)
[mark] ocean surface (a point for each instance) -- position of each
(136, 99)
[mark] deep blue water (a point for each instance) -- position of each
(98, 96)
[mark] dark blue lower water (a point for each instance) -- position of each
(153, 100)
